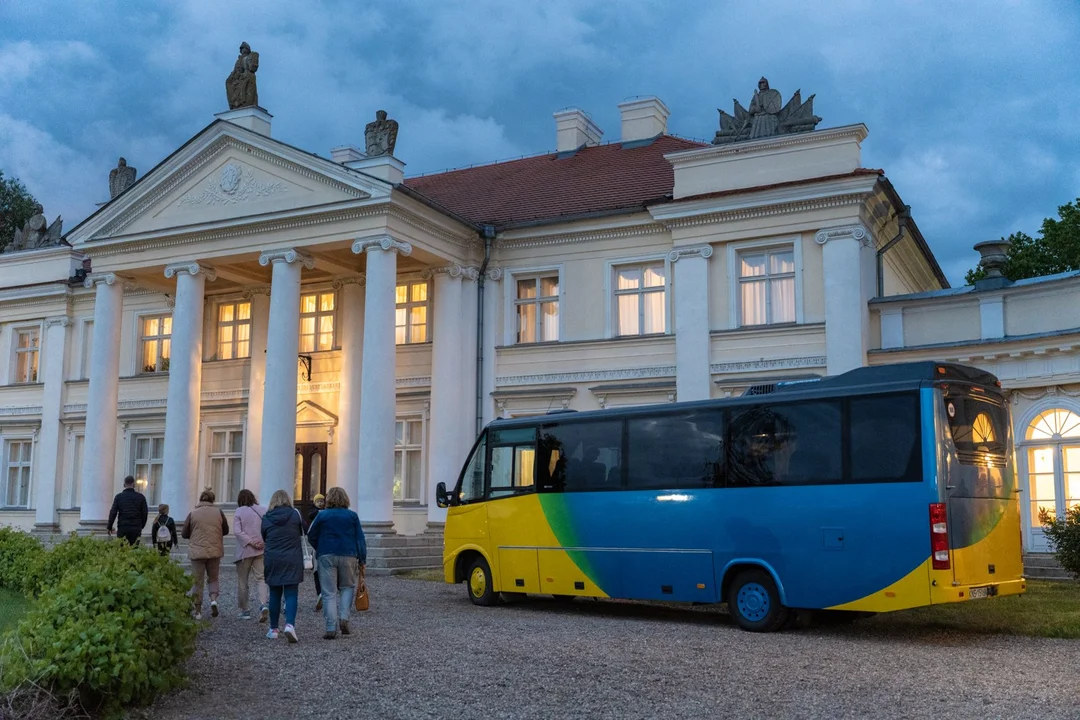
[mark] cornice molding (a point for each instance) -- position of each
(340, 282)
(534, 241)
(817, 137)
(463, 241)
(658, 371)
(20, 410)
(251, 292)
(61, 320)
(753, 213)
(382, 242)
(193, 267)
(776, 364)
(843, 232)
(289, 255)
(703, 251)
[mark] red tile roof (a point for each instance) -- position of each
(593, 180)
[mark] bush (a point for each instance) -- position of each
(1064, 537)
(21, 556)
(116, 627)
(75, 553)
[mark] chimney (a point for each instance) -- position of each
(574, 129)
(253, 118)
(643, 118)
(346, 154)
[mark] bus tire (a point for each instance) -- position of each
(754, 602)
(480, 584)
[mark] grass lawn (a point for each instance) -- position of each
(1047, 609)
(429, 574)
(12, 607)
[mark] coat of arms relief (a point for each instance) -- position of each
(233, 184)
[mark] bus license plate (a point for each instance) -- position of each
(978, 593)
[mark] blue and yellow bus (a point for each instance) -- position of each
(880, 489)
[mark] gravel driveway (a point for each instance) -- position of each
(424, 651)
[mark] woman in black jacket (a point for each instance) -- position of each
(283, 561)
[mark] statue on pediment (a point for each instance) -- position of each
(36, 233)
(240, 87)
(766, 117)
(380, 136)
(121, 178)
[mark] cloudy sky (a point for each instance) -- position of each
(973, 107)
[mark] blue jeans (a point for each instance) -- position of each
(338, 574)
(290, 592)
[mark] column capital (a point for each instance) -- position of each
(191, 267)
(340, 282)
(257, 290)
(471, 272)
(61, 320)
(842, 232)
(382, 242)
(679, 253)
(454, 270)
(288, 255)
(107, 278)
(494, 272)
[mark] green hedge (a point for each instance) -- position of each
(112, 623)
(1064, 537)
(21, 556)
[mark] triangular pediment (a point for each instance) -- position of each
(309, 414)
(227, 174)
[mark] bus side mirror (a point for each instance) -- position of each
(440, 495)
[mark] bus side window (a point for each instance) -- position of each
(679, 451)
(788, 444)
(884, 433)
(513, 462)
(472, 482)
(580, 456)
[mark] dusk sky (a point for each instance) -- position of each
(973, 107)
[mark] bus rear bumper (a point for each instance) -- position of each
(982, 591)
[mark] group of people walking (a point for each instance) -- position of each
(269, 552)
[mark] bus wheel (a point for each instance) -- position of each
(481, 587)
(754, 602)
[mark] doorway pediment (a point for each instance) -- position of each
(309, 414)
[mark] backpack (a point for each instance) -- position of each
(163, 534)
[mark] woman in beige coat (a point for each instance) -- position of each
(205, 530)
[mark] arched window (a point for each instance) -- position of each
(1054, 425)
(1052, 449)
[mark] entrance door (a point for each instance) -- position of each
(1053, 467)
(310, 476)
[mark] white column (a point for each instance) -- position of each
(492, 302)
(446, 385)
(375, 482)
(99, 448)
(467, 429)
(847, 314)
(351, 336)
(260, 323)
(692, 376)
(278, 448)
(180, 464)
(48, 444)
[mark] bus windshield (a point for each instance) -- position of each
(978, 423)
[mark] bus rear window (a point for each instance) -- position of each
(979, 426)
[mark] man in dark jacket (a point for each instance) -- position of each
(130, 507)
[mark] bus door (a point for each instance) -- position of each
(981, 495)
(514, 513)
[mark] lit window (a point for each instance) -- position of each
(27, 345)
(156, 342)
(767, 286)
(408, 451)
(1054, 424)
(149, 459)
(17, 454)
(411, 323)
(317, 322)
(234, 330)
(639, 296)
(537, 306)
(1053, 464)
(226, 463)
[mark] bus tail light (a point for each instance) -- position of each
(939, 536)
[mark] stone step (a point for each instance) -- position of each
(1041, 562)
(1047, 574)
(401, 541)
(386, 552)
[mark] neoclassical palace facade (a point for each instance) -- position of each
(249, 314)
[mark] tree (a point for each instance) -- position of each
(16, 207)
(1057, 251)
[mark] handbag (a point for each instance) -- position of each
(305, 547)
(363, 600)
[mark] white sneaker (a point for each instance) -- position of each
(290, 633)
(198, 616)
(272, 634)
(213, 608)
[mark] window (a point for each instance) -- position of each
(472, 479)
(797, 444)
(675, 451)
(149, 455)
(156, 341)
(978, 426)
(537, 306)
(411, 323)
(317, 322)
(580, 456)
(226, 463)
(408, 454)
(27, 346)
(884, 434)
(234, 330)
(1053, 463)
(767, 286)
(17, 472)
(639, 299)
(513, 461)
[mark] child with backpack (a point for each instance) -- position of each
(164, 531)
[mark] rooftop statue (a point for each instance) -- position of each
(766, 117)
(240, 88)
(121, 178)
(35, 234)
(380, 136)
